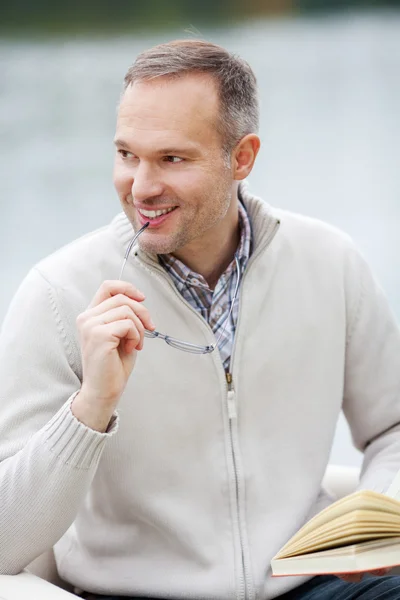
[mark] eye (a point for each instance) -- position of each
(173, 159)
(126, 154)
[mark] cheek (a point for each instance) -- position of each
(188, 183)
(123, 179)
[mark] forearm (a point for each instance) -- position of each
(43, 486)
(381, 461)
(372, 382)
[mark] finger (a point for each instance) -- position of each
(112, 288)
(351, 577)
(120, 330)
(140, 327)
(121, 300)
(129, 345)
(380, 572)
(120, 313)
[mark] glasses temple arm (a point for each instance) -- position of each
(129, 248)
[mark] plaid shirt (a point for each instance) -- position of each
(214, 305)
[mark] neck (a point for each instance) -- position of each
(212, 255)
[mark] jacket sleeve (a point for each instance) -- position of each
(372, 377)
(47, 457)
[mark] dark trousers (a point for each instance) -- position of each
(323, 588)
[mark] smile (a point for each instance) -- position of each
(153, 214)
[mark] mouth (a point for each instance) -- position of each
(154, 217)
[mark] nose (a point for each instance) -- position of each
(146, 183)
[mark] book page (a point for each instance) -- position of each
(339, 543)
(362, 521)
(362, 500)
(353, 558)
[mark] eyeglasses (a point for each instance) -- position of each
(178, 344)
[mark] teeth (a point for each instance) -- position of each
(152, 214)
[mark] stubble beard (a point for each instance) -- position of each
(155, 243)
(191, 225)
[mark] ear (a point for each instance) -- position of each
(244, 156)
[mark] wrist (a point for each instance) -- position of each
(93, 412)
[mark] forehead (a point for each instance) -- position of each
(185, 107)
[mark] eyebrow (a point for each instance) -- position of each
(189, 149)
(121, 144)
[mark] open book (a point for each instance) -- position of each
(360, 532)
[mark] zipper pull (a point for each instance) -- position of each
(232, 412)
(229, 380)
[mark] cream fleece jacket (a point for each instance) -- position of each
(196, 484)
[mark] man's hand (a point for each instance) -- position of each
(111, 332)
(356, 577)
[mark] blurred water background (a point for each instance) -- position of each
(330, 129)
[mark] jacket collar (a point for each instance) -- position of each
(262, 216)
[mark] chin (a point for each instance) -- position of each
(156, 246)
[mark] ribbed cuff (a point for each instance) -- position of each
(73, 442)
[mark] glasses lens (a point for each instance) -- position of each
(186, 347)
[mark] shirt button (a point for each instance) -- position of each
(218, 311)
(195, 282)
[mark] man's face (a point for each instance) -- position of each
(169, 157)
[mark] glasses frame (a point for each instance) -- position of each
(174, 342)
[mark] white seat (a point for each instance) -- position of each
(40, 579)
(27, 586)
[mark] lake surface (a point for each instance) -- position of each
(330, 91)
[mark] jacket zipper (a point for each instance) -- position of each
(245, 591)
(246, 588)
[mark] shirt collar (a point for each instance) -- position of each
(180, 272)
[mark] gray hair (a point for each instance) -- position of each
(237, 84)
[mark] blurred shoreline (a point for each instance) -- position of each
(93, 24)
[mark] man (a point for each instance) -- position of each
(177, 470)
